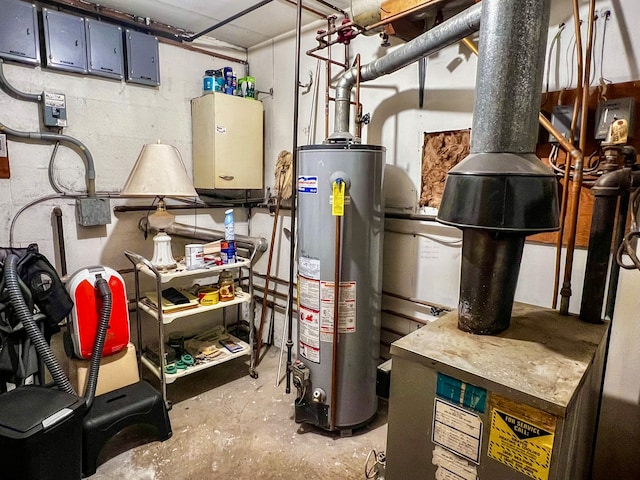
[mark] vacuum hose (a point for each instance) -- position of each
(96, 354)
(24, 315)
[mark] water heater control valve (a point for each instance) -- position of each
(301, 375)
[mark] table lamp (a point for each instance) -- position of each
(159, 172)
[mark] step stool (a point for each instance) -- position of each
(111, 412)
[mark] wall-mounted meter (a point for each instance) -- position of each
(55, 110)
(561, 117)
(612, 110)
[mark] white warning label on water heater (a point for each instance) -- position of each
(310, 327)
(346, 309)
(309, 293)
(310, 353)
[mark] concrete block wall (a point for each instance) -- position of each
(114, 119)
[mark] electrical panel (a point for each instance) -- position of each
(143, 64)
(55, 110)
(19, 32)
(611, 110)
(561, 117)
(64, 41)
(104, 49)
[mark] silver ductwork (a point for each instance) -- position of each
(453, 30)
(501, 192)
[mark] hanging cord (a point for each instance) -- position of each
(554, 42)
(604, 82)
(592, 77)
(570, 59)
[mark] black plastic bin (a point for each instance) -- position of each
(40, 434)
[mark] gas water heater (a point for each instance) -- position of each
(341, 215)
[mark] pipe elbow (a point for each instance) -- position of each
(612, 183)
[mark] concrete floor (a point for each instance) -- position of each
(228, 425)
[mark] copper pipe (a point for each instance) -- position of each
(565, 292)
(567, 172)
(580, 69)
(324, 59)
(330, 24)
(358, 106)
(336, 305)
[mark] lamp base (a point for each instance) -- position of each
(162, 256)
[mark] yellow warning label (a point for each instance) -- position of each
(337, 209)
(521, 437)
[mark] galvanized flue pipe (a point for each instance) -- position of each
(447, 33)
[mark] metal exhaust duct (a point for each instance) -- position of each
(501, 192)
(453, 30)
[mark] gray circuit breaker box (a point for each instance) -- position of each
(65, 41)
(104, 49)
(518, 405)
(143, 64)
(19, 32)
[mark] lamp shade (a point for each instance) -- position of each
(159, 172)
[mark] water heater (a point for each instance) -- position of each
(341, 213)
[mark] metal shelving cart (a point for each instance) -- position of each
(144, 267)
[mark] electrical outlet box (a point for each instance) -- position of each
(561, 117)
(93, 211)
(55, 110)
(611, 110)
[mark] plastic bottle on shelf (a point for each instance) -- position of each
(225, 286)
(208, 81)
(228, 225)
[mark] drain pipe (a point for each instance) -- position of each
(447, 33)
(501, 192)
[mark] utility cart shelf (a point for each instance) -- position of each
(169, 317)
(223, 357)
(148, 309)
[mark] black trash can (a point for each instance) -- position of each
(41, 434)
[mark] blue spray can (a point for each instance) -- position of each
(228, 225)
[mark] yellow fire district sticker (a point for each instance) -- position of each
(521, 437)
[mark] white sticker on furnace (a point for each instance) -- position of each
(309, 293)
(451, 467)
(457, 430)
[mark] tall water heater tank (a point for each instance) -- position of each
(359, 168)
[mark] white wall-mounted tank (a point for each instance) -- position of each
(340, 394)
